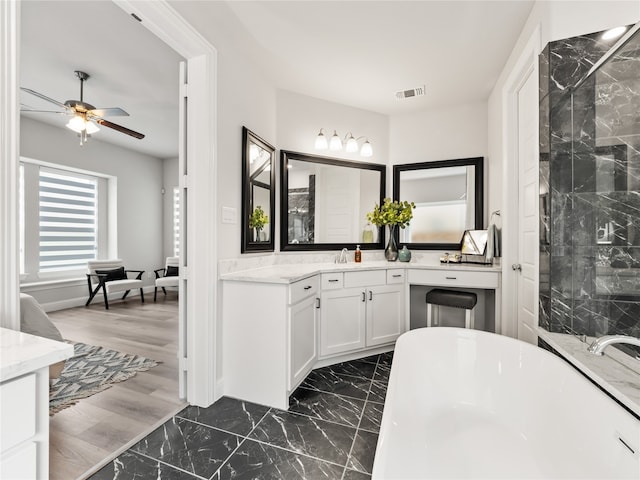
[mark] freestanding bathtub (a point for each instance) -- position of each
(469, 404)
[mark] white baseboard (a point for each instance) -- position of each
(80, 301)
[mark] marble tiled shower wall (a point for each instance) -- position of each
(590, 187)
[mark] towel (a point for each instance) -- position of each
(493, 243)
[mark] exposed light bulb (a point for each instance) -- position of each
(366, 150)
(352, 144)
(335, 143)
(321, 141)
(613, 33)
(77, 124)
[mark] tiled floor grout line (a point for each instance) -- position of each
(360, 419)
(239, 444)
(195, 475)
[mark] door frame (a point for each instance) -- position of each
(527, 64)
(200, 264)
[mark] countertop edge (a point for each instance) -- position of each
(611, 385)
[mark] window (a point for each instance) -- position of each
(176, 221)
(68, 220)
(66, 216)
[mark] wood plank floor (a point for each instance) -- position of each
(85, 435)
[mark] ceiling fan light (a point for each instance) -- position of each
(77, 124)
(91, 127)
(352, 144)
(366, 150)
(321, 141)
(335, 143)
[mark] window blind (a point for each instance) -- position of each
(68, 220)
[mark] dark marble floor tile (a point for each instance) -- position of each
(326, 406)
(309, 436)
(382, 376)
(355, 475)
(354, 368)
(189, 446)
(131, 466)
(386, 358)
(383, 369)
(371, 417)
(363, 451)
(258, 461)
(327, 381)
(227, 414)
(378, 392)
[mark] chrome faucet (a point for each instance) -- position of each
(598, 346)
(343, 256)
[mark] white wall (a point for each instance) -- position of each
(442, 134)
(139, 200)
(300, 118)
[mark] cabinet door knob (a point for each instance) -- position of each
(364, 297)
(307, 287)
(517, 267)
(451, 278)
(370, 295)
(333, 280)
(317, 303)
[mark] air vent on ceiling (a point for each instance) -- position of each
(414, 92)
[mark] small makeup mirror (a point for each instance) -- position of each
(474, 242)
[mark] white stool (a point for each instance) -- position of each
(451, 298)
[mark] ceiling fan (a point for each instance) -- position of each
(84, 116)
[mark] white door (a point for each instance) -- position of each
(182, 241)
(527, 265)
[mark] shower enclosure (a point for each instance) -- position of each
(590, 187)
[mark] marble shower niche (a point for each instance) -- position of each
(590, 187)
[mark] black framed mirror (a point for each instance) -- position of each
(258, 193)
(449, 200)
(324, 202)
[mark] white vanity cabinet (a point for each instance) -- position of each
(270, 338)
(359, 310)
(24, 403)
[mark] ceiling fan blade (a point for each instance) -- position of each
(108, 112)
(44, 97)
(119, 128)
(31, 110)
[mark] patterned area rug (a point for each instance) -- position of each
(91, 370)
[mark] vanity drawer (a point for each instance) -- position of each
(396, 275)
(365, 279)
(303, 289)
(455, 278)
(331, 281)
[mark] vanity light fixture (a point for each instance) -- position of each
(321, 141)
(613, 33)
(336, 143)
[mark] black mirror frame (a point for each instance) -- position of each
(285, 156)
(478, 163)
(249, 246)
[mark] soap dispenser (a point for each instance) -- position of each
(358, 255)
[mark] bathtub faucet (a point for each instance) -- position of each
(598, 346)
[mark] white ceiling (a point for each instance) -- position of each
(357, 53)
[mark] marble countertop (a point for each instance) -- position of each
(22, 353)
(289, 273)
(615, 372)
